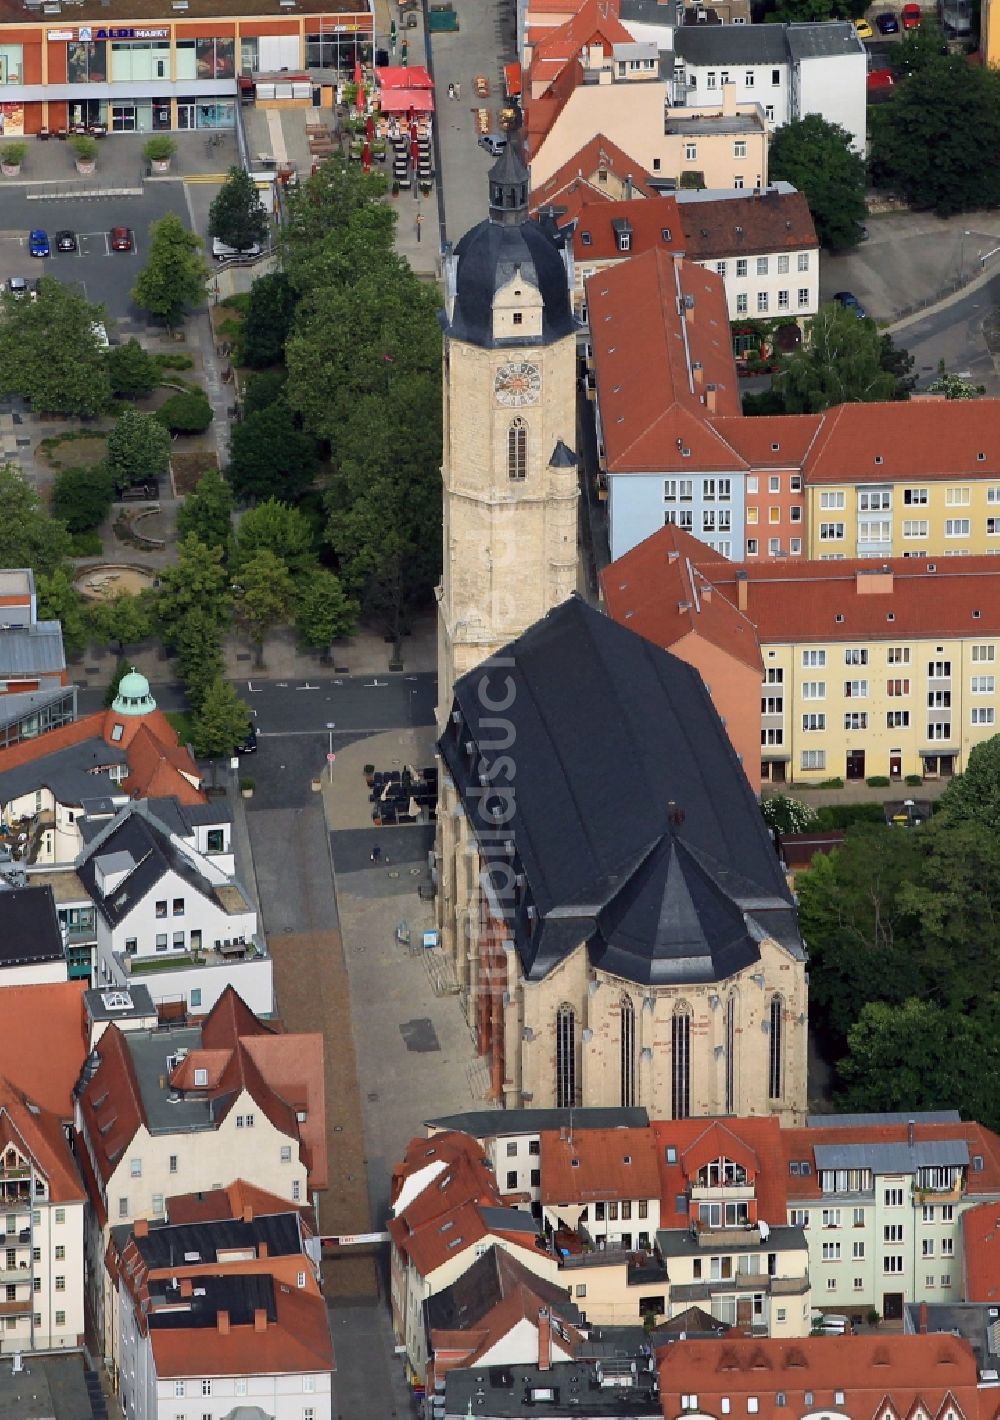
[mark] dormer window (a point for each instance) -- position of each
(116, 733)
(586, 239)
(665, 233)
(200, 1077)
(624, 241)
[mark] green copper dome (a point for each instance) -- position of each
(133, 696)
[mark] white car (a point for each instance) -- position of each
(223, 253)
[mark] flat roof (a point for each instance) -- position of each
(714, 123)
(505, 1123)
(48, 1388)
(16, 581)
(149, 1050)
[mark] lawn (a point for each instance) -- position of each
(183, 722)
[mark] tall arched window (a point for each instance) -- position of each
(626, 1013)
(517, 450)
(775, 1083)
(680, 1064)
(566, 1057)
(731, 1055)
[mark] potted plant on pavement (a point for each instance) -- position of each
(85, 150)
(158, 151)
(11, 158)
(247, 787)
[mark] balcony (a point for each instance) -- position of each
(729, 1192)
(747, 1235)
(222, 952)
(13, 1275)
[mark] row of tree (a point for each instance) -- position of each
(902, 927)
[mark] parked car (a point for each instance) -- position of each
(494, 143)
(911, 16)
(223, 253)
(248, 745)
(121, 239)
(65, 240)
(886, 23)
(850, 302)
(17, 286)
(881, 83)
(38, 242)
(863, 29)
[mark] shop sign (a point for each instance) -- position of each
(61, 34)
(130, 33)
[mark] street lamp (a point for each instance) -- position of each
(908, 805)
(331, 725)
(961, 259)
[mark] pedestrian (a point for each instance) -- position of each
(419, 224)
(451, 91)
(376, 852)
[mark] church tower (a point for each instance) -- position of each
(509, 470)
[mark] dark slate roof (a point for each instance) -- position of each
(627, 820)
(563, 457)
(138, 996)
(731, 44)
(480, 1289)
(29, 927)
(182, 819)
(174, 1244)
(153, 854)
(488, 257)
(60, 771)
(240, 1294)
(831, 37)
(647, 12)
(572, 1387)
(485, 1123)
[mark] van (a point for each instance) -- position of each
(494, 143)
(834, 1324)
(223, 253)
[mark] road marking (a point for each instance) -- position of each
(375, 684)
(307, 686)
(322, 730)
(259, 690)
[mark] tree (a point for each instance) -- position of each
(193, 610)
(336, 226)
(221, 721)
(954, 387)
(121, 669)
(271, 456)
(138, 448)
(132, 370)
(784, 814)
(124, 620)
(972, 797)
(324, 612)
(262, 390)
(29, 537)
(934, 110)
(50, 352)
(207, 512)
(58, 600)
(839, 363)
(81, 497)
(174, 276)
(187, 412)
(264, 596)
(899, 364)
(274, 527)
(817, 158)
(237, 216)
(267, 321)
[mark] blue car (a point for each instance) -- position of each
(850, 302)
(38, 243)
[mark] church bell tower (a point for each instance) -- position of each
(509, 470)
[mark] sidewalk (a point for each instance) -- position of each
(120, 163)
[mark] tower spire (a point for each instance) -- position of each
(509, 185)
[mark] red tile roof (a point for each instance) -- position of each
(596, 239)
(876, 1373)
(596, 22)
(798, 1145)
(579, 173)
(657, 590)
(44, 1035)
(235, 1201)
(39, 1137)
(918, 439)
(579, 1166)
(771, 443)
(685, 1145)
(981, 1253)
(679, 356)
(737, 226)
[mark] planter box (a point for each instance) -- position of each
(10, 169)
(160, 165)
(86, 167)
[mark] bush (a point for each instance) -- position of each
(13, 154)
(173, 362)
(914, 779)
(835, 783)
(84, 147)
(785, 814)
(187, 413)
(250, 784)
(82, 497)
(160, 148)
(86, 544)
(833, 817)
(878, 781)
(133, 370)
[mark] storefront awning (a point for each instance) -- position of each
(406, 100)
(396, 76)
(512, 80)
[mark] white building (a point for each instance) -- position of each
(790, 70)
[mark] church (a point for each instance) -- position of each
(621, 930)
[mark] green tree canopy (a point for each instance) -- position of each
(324, 611)
(973, 797)
(29, 537)
(237, 216)
(193, 610)
(50, 353)
(267, 321)
(207, 512)
(337, 227)
(265, 594)
(839, 363)
(186, 412)
(132, 370)
(817, 157)
(58, 600)
(275, 527)
(262, 390)
(138, 448)
(174, 277)
(82, 497)
(934, 110)
(221, 721)
(124, 620)
(270, 456)
(786, 814)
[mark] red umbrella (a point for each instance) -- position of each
(359, 83)
(414, 151)
(370, 128)
(413, 129)
(366, 158)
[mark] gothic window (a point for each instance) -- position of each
(627, 1019)
(517, 450)
(566, 1092)
(731, 1055)
(680, 1064)
(775, 1048)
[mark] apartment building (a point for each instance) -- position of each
(34, 694)
(869, 668)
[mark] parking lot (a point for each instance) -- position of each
(106, 276)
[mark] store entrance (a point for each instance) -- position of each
(123, 118)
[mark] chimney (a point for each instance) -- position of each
(698, 370)
(729, 100)
(544, 1339)
(922, 1326)
(628, 188)
(705, 592)
(262, 1249)
(260, 1319)
(742, 584)
(186, 1289)
(911, 1132)
(141, 1228)
(247, 1213)
(222, 1322)
(711, 398)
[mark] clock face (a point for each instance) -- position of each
(517, 384)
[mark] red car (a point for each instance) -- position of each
(121, 239)
(911, 16)
(880, 81)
